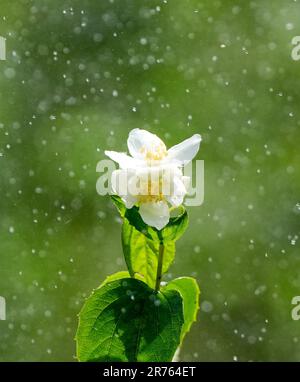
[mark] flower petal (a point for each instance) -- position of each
(178, 192)
(124, 160)
(119, 181)
(119, 184)
(140, 142)
(187, 182)
(129, 200)
(185, 151)
(155, 214)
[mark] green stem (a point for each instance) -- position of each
(159, 265)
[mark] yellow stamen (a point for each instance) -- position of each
(155, 153)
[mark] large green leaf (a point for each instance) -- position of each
(115, 276)
(141, 254)
(125, 320)
(190, 292)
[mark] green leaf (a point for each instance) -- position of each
(141, 254)
(115, 276)
(141, 242)
(176, 227)
(190, 292)
(134, 218)
(125, 321)
(171, 232)
(118, 202)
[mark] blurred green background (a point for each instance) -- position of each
(79, 76)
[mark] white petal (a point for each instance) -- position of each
(120, 179)
(170, 175)
(140, 141)
(187, 182)
(185, 151)
(155, 214)
(129, 200)
(124, 160)
(178, 192)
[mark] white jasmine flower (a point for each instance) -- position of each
(152, 176)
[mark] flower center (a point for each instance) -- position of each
(151, 190)
(154, 152)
